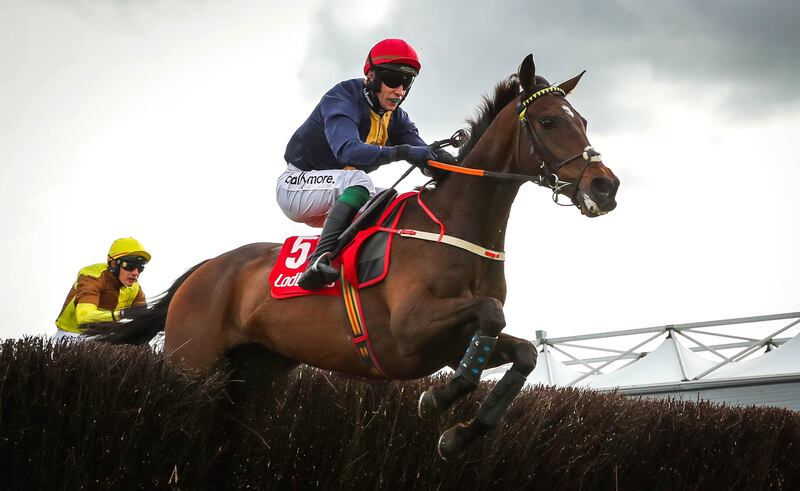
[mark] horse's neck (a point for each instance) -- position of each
(477, 208)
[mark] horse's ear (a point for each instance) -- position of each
(527, 74)
(571, 83)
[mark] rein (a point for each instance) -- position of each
(549, 177)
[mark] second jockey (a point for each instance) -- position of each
(356, 127)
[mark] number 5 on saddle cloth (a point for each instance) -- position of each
(363, 250)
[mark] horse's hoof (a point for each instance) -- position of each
(451, 443)
(427, 408)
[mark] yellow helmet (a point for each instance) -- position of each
(127, 246)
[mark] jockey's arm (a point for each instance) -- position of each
(342, 135)
(352, 151)
(87, 313)
(341, 118)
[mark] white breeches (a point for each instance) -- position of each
(308, 196)
(62, 335)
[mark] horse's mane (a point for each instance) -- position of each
(505, 92)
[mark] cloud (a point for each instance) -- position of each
(740, 49)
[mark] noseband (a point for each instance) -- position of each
(549, 177)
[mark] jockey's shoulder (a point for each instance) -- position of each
(94, 271)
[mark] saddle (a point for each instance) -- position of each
(363, 252)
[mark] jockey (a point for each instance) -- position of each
(103, 290)
(356, 127)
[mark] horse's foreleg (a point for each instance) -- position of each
(467, 377)
(523, 355)
(488, 320)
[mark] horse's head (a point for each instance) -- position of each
(553, 145)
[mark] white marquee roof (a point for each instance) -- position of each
(782, 360)
(550, 371)
(670, 362)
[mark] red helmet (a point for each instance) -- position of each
(395, 54)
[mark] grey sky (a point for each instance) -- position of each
(744, 49)
(167, 120)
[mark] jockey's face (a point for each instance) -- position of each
(389, 98)
(128, 278)
(129, 272)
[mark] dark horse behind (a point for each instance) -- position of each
(439, 305)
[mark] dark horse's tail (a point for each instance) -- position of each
(143, 323)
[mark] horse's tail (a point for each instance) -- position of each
(143, 323)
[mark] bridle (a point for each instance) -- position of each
(548, 177)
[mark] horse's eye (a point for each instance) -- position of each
(547, 123)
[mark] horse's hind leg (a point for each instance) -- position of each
(523, 354)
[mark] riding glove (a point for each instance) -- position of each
(444, 156)
(418, 156)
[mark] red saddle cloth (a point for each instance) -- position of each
(359, 271)
(290, 265)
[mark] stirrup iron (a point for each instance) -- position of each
(318, 274)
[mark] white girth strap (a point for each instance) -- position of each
(453, 241)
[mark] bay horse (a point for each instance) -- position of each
(439, 305)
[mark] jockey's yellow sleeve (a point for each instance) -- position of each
(86, 313)
(94, 296)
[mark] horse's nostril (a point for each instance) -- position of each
(603, 186)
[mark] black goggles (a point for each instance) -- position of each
(131, 266)
(394, 79)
